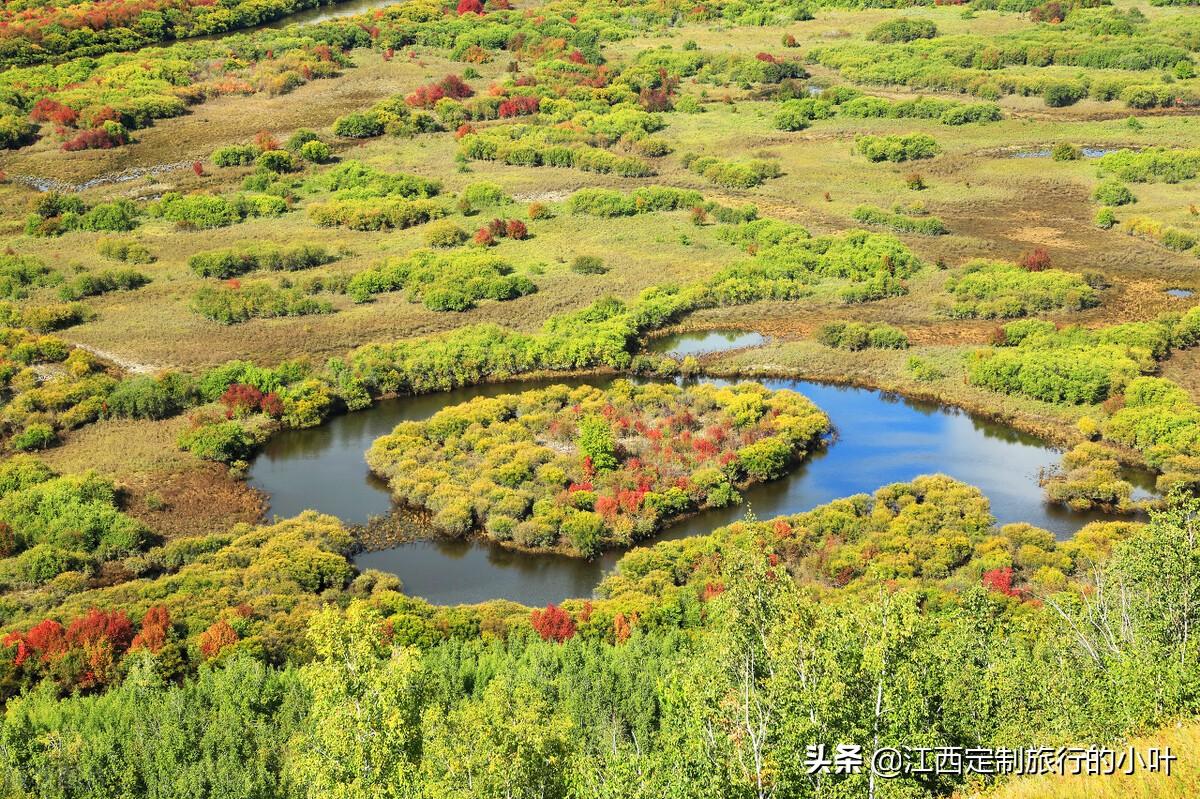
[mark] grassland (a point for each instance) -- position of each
(994, 205)
(132, 381)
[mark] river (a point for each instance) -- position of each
(881, 438)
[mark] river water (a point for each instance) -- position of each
(881, 439)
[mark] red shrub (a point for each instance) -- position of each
(101, 627)
(47, 110)
(155, 626)
(470, 7)
(1048, 12)
(606, 507)
(515, 229)
(1000, 580)
(272, 405)
(519, 106)
(425, 96)
(767, 57)
(198, 168)
(455, 87)
(94, 139)
(463, 130)
(240, 400)
(1037, 260)
(553, 623)
(621, 628)
(216, 638)
(484, 238)
(264, 141)
(655, 100)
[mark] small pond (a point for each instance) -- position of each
(1088, 152)
(309, 16)
(1181, 293)
(881, 439)
(705, 342)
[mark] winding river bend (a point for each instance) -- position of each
(881, 439)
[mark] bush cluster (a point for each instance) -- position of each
(910, 147)
(91, 284)
(230, 304)
(998, 290)
(901, 223)
(859, 336)
(227, 263)
(732, 174)
(202, 211)
(585, 469)
(443, 281)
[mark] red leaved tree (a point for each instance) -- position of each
(218, 637)
(553, 623)
(1000, 580)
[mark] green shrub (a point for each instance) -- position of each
(119, 216)
(224, 264)
(1152, 165)
(224, 442)
(733, 174)
(925, 226)
(903, 29)
(443, 281)
(354, 180)
(1111, 192)
(235, 155)
(20, 273)
(588, 265)
(232, 304)
(445, 234)
(57, 316)
(646, 199)
(484, 195)
(277, 161)
(358, 126)
(145, 397)
(897, 148)
(297, 140)
(1062, 93)
(991, 290)
(34, 437)
(1065, 151)
(91, 284)
(923, 371)
(125, 250)
(382, 214)
(858, 336)
(315, 152)
(206, 211)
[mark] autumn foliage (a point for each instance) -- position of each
(84, 654)
(218, 637)
(553, 623)
(1000, 580)
(156, 626)
(451, 86)
(1037, 260)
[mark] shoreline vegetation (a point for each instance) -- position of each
(272, 227)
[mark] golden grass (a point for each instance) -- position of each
(1183, 783)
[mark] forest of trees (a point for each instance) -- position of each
(704, 669)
